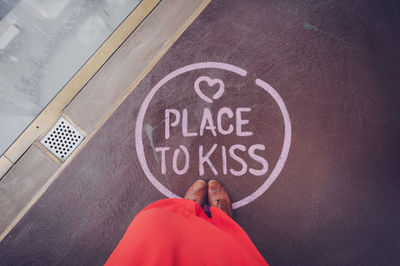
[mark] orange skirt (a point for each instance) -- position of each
(179, 232)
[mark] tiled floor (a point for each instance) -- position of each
(336, 199)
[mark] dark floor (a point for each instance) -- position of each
(336, 202)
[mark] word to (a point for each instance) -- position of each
(225, 122)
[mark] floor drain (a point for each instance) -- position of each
(62, 139)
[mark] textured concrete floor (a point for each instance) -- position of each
(336, 200)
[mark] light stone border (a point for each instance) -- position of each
(170, 18)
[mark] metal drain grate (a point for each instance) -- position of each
(62, 139)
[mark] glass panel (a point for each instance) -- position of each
(43, 43)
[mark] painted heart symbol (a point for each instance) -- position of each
(211, 82)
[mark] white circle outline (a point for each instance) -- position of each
(286, 142)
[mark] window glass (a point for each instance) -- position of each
(43, 43)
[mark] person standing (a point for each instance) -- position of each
(179, 232)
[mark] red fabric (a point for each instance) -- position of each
(178, 232)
